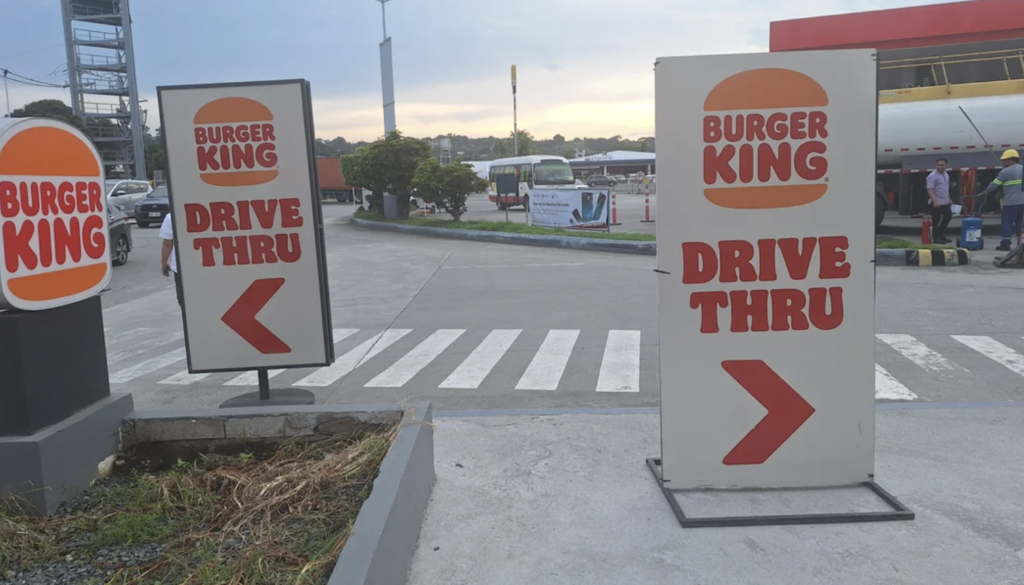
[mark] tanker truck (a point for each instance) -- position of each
(966, 107)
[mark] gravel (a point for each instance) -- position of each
(75, 569)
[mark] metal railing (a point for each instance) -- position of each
(942, 64)
(79, 10)
(101, 108)
(93, 82)
(108, 132)
(95, 36)
(94, 60)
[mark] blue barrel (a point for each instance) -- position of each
(970, 234)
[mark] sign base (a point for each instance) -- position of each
(899, 511)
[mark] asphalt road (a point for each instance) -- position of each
(489, 326)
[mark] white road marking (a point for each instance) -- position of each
(143, 346)
(420, 357)
(889, 388)
(917, 352)
(471, 373)
(126, 336)
(252, 378)
(366, 351)
(994, 350)
(548, 365)
(148, 366)
(620, 367)
(183, 378)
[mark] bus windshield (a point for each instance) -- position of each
(552, 173)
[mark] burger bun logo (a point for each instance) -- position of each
(765, 140)
(236, 144)
(54, 239)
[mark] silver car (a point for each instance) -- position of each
(124, 193)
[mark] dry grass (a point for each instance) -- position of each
(225, 520)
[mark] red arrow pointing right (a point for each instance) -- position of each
(241, 317)
(787, 411)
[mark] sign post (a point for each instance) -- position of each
(248, 230)
(766, 276)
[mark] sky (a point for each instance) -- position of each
(585, 67)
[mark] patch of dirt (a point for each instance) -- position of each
(266, 517)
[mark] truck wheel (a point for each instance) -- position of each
(501, 206)
(880, 206)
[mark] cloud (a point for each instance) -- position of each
(585, 66)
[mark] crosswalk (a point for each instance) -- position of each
(537, 361)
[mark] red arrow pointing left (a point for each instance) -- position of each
(241, 317)
(787, 411)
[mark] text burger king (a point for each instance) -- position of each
(766, 134)
(53, 219)
(236, 143)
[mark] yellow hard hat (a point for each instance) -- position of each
(1010, 154)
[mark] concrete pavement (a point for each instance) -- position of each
(568, 499)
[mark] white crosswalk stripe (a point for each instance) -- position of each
(620, 368)
(252, 378)
(907, 368)
(353, 359)
(143, 346)
(471, 373)
(994, 350)
(420, 357)
(889, 388)
(148, 366)
(547, 367)
(918, 352)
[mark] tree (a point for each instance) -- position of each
(54, 109)
(156, 160)
(447, 186)
(506, 147)
(391, 164)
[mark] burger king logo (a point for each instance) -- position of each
(53, 216)
(235, 143)
(765, 136)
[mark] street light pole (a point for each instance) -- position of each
(515, 115)
(387, 75)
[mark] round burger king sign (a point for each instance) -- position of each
(54, 240)
(765, 136)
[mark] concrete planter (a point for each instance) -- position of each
(568, 242)
(383, 539)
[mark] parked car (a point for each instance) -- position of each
(596, 180)
(120, 235)
(152, 208)
(620, 178)
(126, 193)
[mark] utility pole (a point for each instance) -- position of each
(7, 95)
(515, 114)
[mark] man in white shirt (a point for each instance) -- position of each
(168, 261)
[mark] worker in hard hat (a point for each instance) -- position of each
(1009, 180)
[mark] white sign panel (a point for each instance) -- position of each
(247, 225)
(766, 279)
(570, 208)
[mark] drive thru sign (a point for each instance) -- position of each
(766, 279)
(247, 225)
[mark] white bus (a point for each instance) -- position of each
(538, 171)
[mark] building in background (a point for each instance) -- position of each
(332, 181)
(933, 61)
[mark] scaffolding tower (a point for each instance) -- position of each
(101, 78)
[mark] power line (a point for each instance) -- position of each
(8, 74)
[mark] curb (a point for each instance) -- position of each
(910, 257)
(383, 540)
(567, 242)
